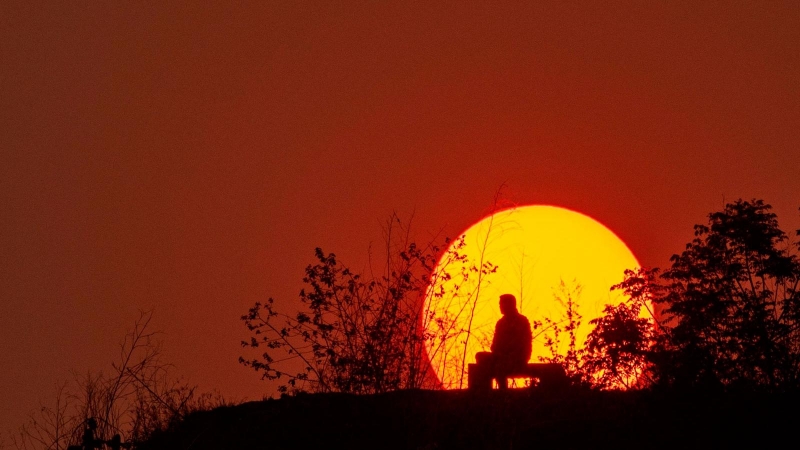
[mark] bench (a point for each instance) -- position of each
(550, 375)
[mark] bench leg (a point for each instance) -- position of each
(478, 378)
(502, 383)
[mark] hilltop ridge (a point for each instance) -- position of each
(419, 419)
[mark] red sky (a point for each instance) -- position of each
(190, 158)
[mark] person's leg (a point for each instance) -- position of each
(502, 382)
(480, 374)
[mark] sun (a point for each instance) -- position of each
(539, 253)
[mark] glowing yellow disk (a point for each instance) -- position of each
(535, 248)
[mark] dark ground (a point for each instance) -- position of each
(517, 419)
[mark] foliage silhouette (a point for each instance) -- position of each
(568, 296)
(616, 350)
(359, 333)
(138, 397)
(731, 306)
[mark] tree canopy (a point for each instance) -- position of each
(358, 332)
(730, 304)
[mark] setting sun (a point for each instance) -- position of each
(541, 254)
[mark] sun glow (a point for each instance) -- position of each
(540, 253)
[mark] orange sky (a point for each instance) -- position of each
(190, 158)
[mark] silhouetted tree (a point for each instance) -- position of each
(617, 351)
(551, 329)
(358, 333)
(136, 398)
(731, 305)
(732, 295)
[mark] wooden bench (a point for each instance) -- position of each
(479, 377)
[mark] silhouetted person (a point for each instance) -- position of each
(511, 345)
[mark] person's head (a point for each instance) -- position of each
(508, 304)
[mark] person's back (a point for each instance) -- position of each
(512, 343)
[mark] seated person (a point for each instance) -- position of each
(511, 345)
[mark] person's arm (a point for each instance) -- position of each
(528, 338)
(495, 340)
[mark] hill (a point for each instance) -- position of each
(498, 420)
